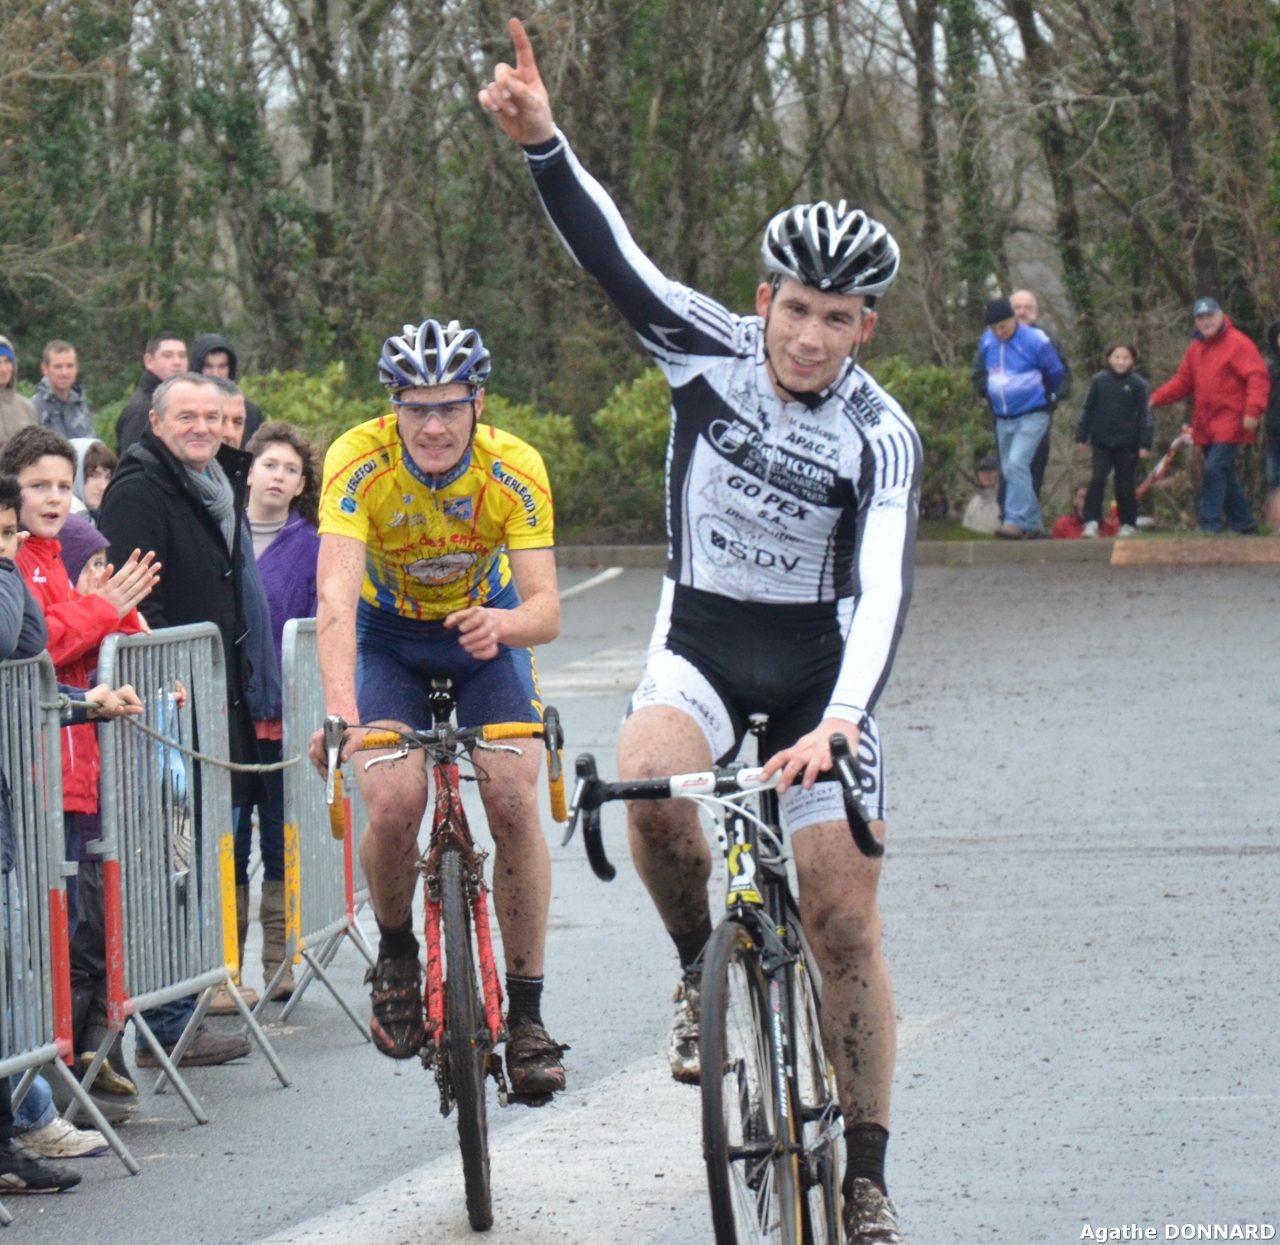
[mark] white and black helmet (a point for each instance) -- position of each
(434, 354)
(836, 249)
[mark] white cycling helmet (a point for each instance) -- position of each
(835, 249)
(432, 354)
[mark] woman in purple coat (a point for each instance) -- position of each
(284, 490)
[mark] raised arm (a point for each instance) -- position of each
(517, 96)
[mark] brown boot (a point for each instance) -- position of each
(271, 914)
(223, 1004)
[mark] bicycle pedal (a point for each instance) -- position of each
(493, 1067)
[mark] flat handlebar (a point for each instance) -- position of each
(590, 792)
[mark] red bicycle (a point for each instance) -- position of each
(463, 995)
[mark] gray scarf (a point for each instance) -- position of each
(214, 490)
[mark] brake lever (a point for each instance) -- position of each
(846, 767)
(335, 733)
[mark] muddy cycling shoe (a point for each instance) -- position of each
(396, 1023)
(535, 1065)
(682, 1041)
(870, 1217)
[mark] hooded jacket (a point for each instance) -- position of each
(71, 418)
(288, 570)
(1228, 379)
(201, 349)
(151, 504)
(134, 419)
(15, 410)
(1115, 412)
(76, 625)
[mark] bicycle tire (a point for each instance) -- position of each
(821, 1123)
(466, 1041)
(747, 1139)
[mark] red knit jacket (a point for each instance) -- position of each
(1229, 380)
(77, 626)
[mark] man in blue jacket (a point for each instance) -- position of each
(1018, 371)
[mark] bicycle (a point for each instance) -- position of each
(772, 1131)
(464, 1020)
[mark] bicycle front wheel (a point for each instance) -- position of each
(466, 1041)
(821, 1124)
(748, 1134)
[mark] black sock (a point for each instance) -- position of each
(524, 1000)
(396, 942)
(865, 1145)
(689, 946)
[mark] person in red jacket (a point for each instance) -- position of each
(1226, 376)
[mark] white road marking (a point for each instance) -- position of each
(606, 673)
(618, 1162)
(595, 581)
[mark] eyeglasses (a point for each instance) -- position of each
(445, 412)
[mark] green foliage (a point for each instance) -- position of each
(953, 422)
(323, 406)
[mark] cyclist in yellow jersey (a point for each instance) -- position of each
(436, 559)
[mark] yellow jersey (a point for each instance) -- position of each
(435, 544)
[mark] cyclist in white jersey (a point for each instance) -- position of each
(793, 487)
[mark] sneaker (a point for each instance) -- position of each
(21, 1171)
(116, 1109)
(1126, 530)
(60, 1139)
(534, 1064)
(870, 1218)
(109, 1079)
(1090, 530)
(682, 1041)
(204, 1049)
(1007, 531)
(396, 1023)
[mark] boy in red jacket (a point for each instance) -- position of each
(77, 623)
(1226, 376)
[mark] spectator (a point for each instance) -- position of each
(59, 399)
(1018, 371)
(165, 356)
(284, 491)
(1226, 378)
(179, 492)
(982, 512)
(95, 463)
(1027, 309)
(1116, 421)
(1272, 427)
(1071, 526)
(212, 355)
(15, 410)
(22, 634)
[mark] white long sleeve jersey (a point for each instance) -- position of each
(766, 500)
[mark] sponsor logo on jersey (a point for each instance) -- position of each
(724, 544)
(348, 505)
(865, 407)
(730, 435)
(436, 572)
(785, 470)
(521, 490)
(398, 519)
(353, 480)
(458, 508)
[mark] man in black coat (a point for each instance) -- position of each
(165, 355)
(180, 492)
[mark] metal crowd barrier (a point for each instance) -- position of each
(166, 833)
(324, 887)
(35, 981)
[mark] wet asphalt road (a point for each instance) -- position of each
(1081, 902)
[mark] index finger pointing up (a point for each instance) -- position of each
(525, 62)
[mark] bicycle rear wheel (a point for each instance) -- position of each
(821, 1124)
(466, 1041)
(747, 1136)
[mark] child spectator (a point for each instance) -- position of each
(283, 495)
(982, 511)
(1116, 421)
(77, 623)
(1071, 526)
(95, 465)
